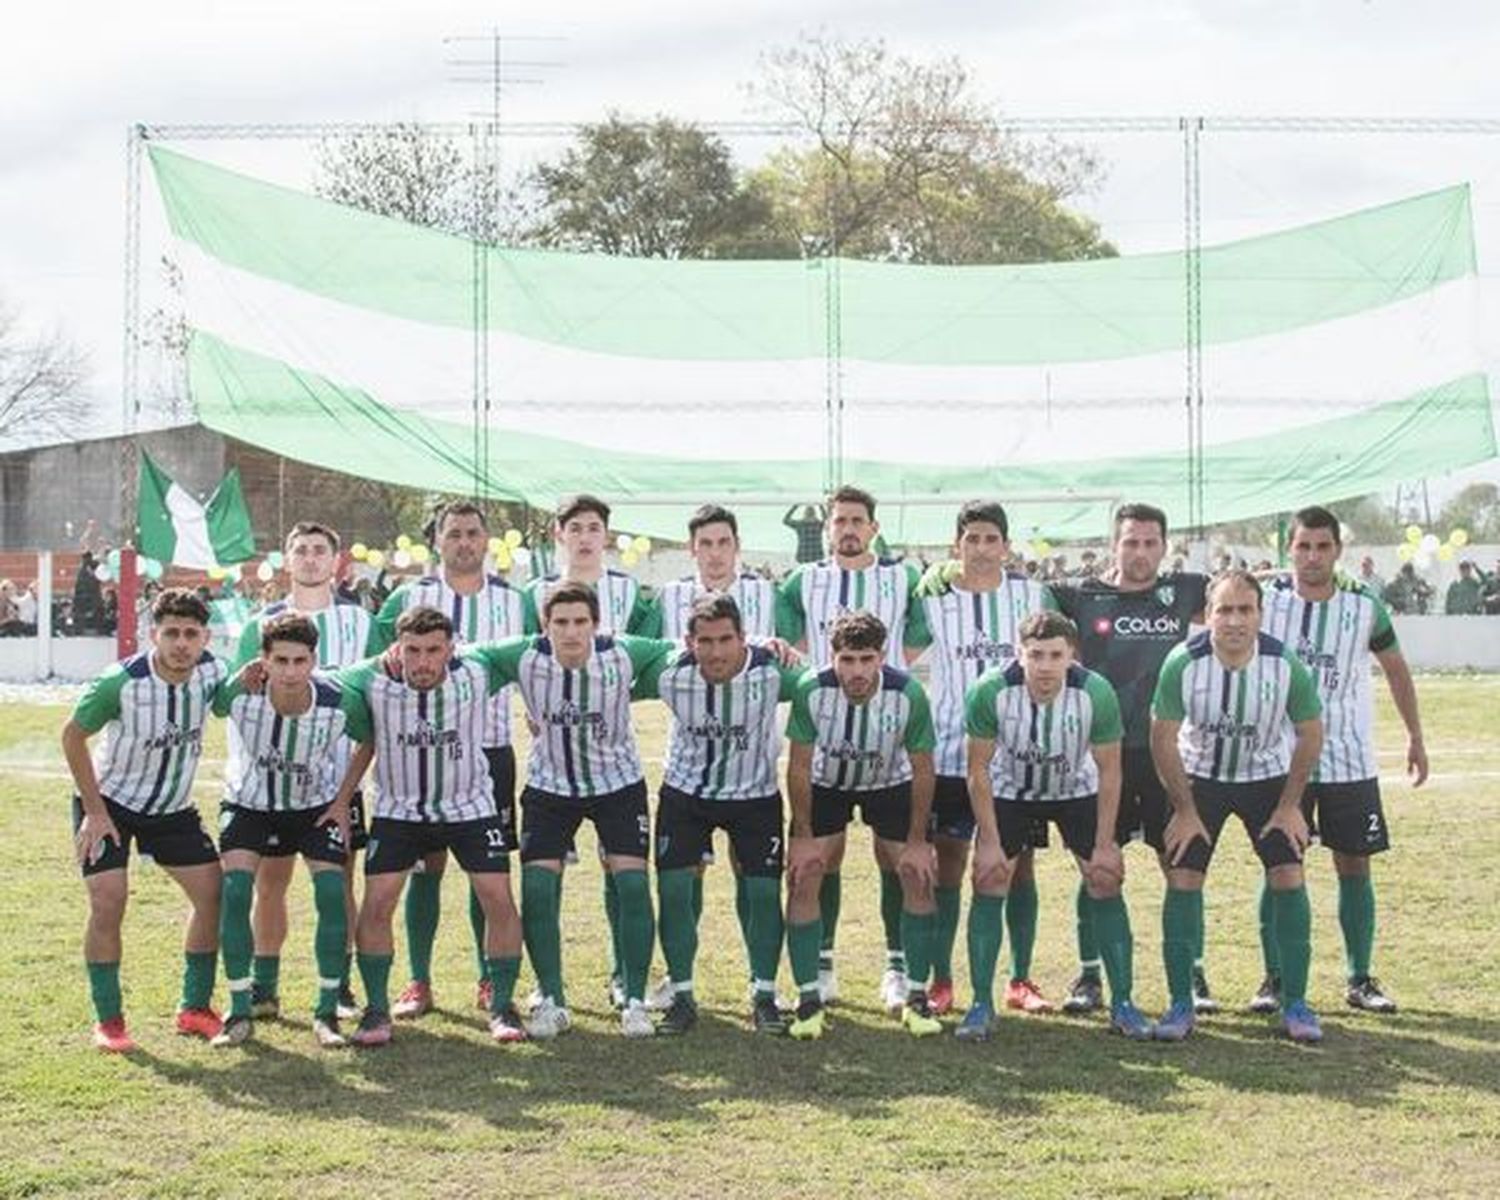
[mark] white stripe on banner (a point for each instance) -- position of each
(190, 524)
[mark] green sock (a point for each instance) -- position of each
(830, 900)
(541, 896)
(266, 971)
(802, 945)
(1089, 960)
(375, 973)
(763, 939)
(502, 972)
(198, 970)
(1267, 932)
(1179, 917)
(424, 905)
(1111, 923)
(236, 940)
(1021, 906)
(330, 936)
(612, 915)
(1293, 917)
(1199, 935)
(104, 989)
(698, 894)
(478, 925)
(348, 972)
(637, 929)
(916, 939)
(679, 927)
(890, 919)
(986, 931)
(742, 914)
(944, 932)
(1357, 919)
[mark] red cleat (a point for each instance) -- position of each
(110, 1036)
(1024, 995)
(199, 1022)
(413, 1002)
(482, 993)
(940, 997)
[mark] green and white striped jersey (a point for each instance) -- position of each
(1236, 722)
(347, 633)
(429, 743)
(970, 632)
(585, 743)
(1043, 751)
(622, 606)
(674, 601)
(860, 747)
(724, 739)
(815, 594)
(1334, 638)
(281, 763)
(495, 611)
(153, 731)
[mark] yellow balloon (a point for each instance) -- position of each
(502, 557)
(376, 558)
(1446, 552)
(1459, 537)
(1406, 551)
(1043, 548)
(420, 553)
(494, 545)
(630, 557)
(641, 545)
(1413, 533)
(359, 552)
(216, 572)
(514, 537)
(403, 542)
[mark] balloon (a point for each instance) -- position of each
(1446, 552)
(641, 545)
(494, 545)
(1405, 551)
(376, 558)
(102, 573)
(152, 568)
(1413, 533)
(514, 537)
(1043, 548)
(622, 543)
(113, 559)
(503, 558)
(1428, 544)
(403, 542)
(401, 559)
(420, 553)
(630, 557)
(1459, 537)
(265, 572)
(520, 556)
(216, 572)
(276, 560)
(359, 552)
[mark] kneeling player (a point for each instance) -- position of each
(1044, 744)
(282, 790)
(861, 737)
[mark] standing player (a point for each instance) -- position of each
(346, 634)
(285, 788)
(813, 597)
(1334, 630)
(720, 774)
(1044, 745)
(972, 626)
(151, 708)
(861, 737)
(481, 608)
(1220, 738)
(426, 712)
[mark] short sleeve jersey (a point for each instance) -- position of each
(861, 747)
(1043, 751)
(1334, 638)
(429, 742)
(153, 731)
(1126, 636)
(669, 613)
(282, 763)
(814, 595)
(585, 744)
(1236, 721)
(622, 606)
(970, 632)
(724, 738)
(347, 633)
(495, 611)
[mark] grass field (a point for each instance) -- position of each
(1405, 1105)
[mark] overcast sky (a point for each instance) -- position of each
(74, 76)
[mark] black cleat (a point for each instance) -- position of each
(680, 1017)
(766, 1017)
(1203, 999)
(1366, 994)
(1085, 995)
(1267, 998)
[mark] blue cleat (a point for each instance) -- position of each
(1126, 1018)
(1301, 1023)
(1175, 1024)
(977, 1024)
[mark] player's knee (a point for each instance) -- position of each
(1180, 879)
(1351, 866)
(107, 899)
(1285, 878)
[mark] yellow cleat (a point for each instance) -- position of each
(919, 1021)
(808, 1028)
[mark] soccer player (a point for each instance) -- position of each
(584, 766)
(861, 737)
(812, 598)
(288, 756)
(1221, 740)
(972, 625)
(481, 608)
(347, 633)
(721, 774)
(151, 708)
(426, 712)
(1044, 745)
(1335, 630)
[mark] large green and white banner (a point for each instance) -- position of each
(1337, 358)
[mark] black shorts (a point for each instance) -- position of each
(885, 810)
(1144, 807)
(478, 845)
(549, 821)
(1347, 817)
(502, 764)
(685, 831)
(359, 832)
(279, 834)
(1018, 820)
(951, 815)
(175, 839)
(1253, 803)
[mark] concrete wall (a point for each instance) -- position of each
(1437, 643)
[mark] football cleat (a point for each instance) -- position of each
(1203, 999)
(617, 997)
(809, 1023)
(635, 1021)
(374, 1029)
(265, 1004)
(916, 1016)
(1175, 1024)
(327, 1033)
(680, 1017)
(1125, 1018)
(1025, 996)
(348, 1009)
(1267, 998)
(1085, 995)
(978, 1023)
(110, 1036)
(660, 998)
(893, 991)
(1366, 993)
(414, 1001)
(483, 990)
(1301, 1023)
(828, 984)
(548, 1019)
(940, 996)
(505, 1025)
(236, 1031)
(199, 1022)
(766, 1016)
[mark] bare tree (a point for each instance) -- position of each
(41, 381)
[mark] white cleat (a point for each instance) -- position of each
(828, 986)
(547, 1020)
(635, 1021)
(893, 991)
(660, 998)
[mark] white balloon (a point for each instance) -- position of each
(1429, 543)
(622, 543)
(265, 572)
(402, 558)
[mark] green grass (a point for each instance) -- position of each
(1052, 1107)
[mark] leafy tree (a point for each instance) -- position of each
(1475, 508)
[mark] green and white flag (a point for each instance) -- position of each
(176, 528)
